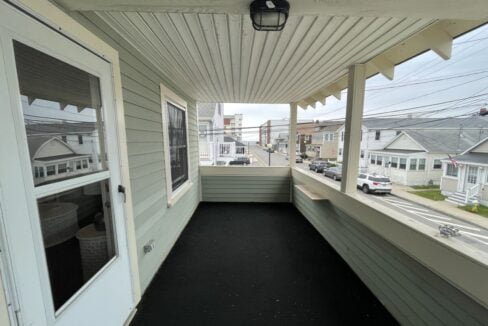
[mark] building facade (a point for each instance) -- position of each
(325, 141)
(465, 177)
(233, 125)
(379, 132)
(271, 130)
(415, 157)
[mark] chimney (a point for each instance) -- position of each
(483, 112)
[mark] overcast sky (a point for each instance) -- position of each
(465, 75)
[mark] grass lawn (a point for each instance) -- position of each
(429, 194)
(426, 187)
(482, 210)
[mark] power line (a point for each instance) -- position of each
(285, 128)
(425, 81)
(413, 98)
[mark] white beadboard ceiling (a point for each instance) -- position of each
(220, 58)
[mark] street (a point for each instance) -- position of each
(260, 157)
(470, 233)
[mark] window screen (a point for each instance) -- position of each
(403, 163)
(437, 165)
(177, 145)
(452, 170)
(413, 164)
(394, 162)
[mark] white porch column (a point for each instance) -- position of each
(292, 141)
(352, 130)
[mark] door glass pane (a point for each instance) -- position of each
(472, 175)
(63, 116)
(78, 236)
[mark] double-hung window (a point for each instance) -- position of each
(437, 165)
(403, 163)
(176, 149)
(394, 162)
(451, 171)
(413, 164)
(422, 164)
(377, 135)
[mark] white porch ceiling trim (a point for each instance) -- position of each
(427, 9)
(221, 58)
(437, 37)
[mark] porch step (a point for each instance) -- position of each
(457, 198)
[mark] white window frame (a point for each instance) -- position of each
(377, 135)
(446, 174)
(410, 164)
(169, 96)
(397, 162)
(433, 164)
(425, 164)
(400, 163)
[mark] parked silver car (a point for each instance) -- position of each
(333, 172)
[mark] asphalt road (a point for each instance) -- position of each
(262, 158)
(469, 233)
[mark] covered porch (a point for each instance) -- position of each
(230, 245)
(256, 264)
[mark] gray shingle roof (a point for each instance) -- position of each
(420, 123)
(329, 125)
(473, 158)
(35, 143)
(206, 110)
(446, 141)
(228, 139)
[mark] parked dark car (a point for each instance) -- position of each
(333, 172)
(297, 160)
(240, 161)
(318, 166)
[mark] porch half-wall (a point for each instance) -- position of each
(245, 184)
(413, 293)
(154, 220)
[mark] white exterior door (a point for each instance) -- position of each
(63, 220)
(472, 177)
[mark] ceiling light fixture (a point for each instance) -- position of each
(269, 15)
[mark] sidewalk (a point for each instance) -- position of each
(441, 206)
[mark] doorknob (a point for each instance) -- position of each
(122, 191)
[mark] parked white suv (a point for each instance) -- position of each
(374, 183)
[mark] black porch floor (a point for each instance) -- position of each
(256, 264)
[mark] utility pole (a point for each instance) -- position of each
(269, 156)
(458, 149)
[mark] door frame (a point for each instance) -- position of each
(466, 184)
(51, 16)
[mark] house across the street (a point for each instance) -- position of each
(465, 177)
(325, 141)
(414, 157)
(62, 150)
(379, 132)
